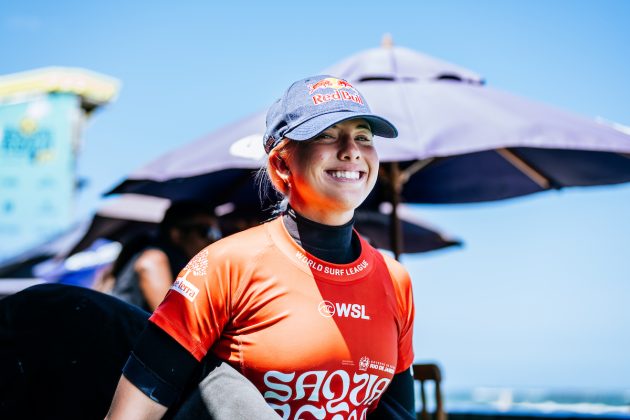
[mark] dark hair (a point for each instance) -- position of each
(268, 192)
(180, 213)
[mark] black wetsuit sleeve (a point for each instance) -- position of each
(160, 367)
(397, 402)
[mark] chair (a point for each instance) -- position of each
(429, 372)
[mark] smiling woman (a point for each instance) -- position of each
(288, 304)
(329, 175)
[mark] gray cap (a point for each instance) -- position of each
(313, 104)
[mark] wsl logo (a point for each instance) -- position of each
(327, 309)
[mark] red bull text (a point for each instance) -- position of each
(337, 95)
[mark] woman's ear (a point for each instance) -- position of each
(279, 171)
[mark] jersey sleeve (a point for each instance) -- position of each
(197, 306)
(404, 297)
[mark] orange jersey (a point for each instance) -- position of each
(317, 339)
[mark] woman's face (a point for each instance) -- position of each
(332, 174)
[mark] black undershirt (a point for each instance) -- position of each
(334, 244)
(166, 382)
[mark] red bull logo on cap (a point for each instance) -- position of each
(330, 83)
(340, 89)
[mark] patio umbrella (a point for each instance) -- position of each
(127, 215)
(214, 164)
(459, 142)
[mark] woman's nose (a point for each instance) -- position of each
(348, 149)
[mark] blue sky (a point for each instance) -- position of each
(537, 297)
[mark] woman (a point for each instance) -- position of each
(319, 321)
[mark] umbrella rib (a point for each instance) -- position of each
(520, 164)
(412, 169)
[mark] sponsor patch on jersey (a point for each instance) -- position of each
(328, 309)
(365, 363)
(185, 288)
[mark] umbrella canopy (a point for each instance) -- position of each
(459, 142)
(391, 62)
(223, 154)
(128, 215)
(462, 143)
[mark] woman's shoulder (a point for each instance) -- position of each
(398, 272)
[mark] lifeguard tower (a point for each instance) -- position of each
(42, 116)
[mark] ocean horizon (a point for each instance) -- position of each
(561, 402)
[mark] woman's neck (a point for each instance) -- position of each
(324, 216)
(335, 244)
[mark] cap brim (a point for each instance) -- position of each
(311, 128)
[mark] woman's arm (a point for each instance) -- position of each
(162, 368)
(131, 403)
(155, 375)
(154, 276)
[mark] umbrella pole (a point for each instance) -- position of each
(394, 223)
(394, 178)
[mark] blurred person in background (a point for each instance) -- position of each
(147, 264)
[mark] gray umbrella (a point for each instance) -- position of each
(459, 142)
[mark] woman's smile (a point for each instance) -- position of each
(346, 176)
(333, 173)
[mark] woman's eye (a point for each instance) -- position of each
(363, 139)
(325, 136)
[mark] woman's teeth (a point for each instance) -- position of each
(346, 174)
